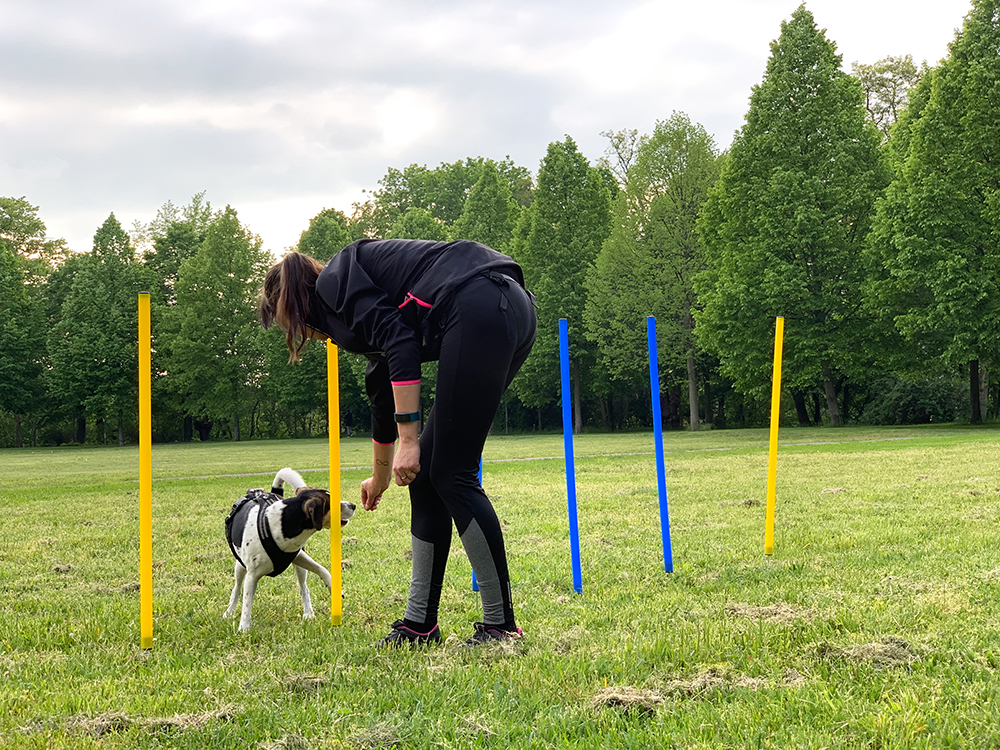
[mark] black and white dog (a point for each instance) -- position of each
(267, 533)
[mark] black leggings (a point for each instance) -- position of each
(488, 330)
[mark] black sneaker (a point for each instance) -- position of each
(401, 635)
(490, 633)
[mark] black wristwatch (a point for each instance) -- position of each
(413, 416)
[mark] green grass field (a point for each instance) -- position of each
(876, 624)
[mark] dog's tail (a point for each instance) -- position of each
(290, 476)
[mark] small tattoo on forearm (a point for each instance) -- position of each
(381, 463)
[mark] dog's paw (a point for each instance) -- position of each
(308, 615)
(245, 627)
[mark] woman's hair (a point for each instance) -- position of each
(285, 299)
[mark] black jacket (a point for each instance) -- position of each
(381, 298)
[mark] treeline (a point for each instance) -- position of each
(864, 209)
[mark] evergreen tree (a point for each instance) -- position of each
(937, 231)
(784, 227)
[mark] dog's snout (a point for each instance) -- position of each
(352, 506)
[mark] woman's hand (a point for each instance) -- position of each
(406, 465)
(371, 492)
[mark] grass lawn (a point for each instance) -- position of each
(876, 623)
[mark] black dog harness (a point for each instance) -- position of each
(237, 519)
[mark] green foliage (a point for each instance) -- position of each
(490, 214)
(937, 230)
(92, 346)
(215, 351)
(20, 339)
(559, 240)
(647, 264)
(930, 400)
(418, 224)
(328, 234)
(886, 84)
(442, 192)
(784, 227)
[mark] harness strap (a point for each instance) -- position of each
(280, 559)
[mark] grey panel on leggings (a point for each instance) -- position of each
(420, 584)
(478, 550)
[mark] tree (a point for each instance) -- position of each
(19, 366)
(937, 231)
(215, 355)
(647, 264)
(561, 235)
(783, 229)
(490, 213)
(328, 233)
(621, 153)
(172, 237)
(418, 224)
(886, 84)
(441, 192)
(92, 347)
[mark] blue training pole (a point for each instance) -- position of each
(475, 583)
(574, 530)
(661, 478)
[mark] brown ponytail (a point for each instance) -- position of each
(285, 299)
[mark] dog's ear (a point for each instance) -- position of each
(316, 506)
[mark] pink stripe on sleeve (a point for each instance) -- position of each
(405, 382)
(378, 443)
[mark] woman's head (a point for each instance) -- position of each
(284, 300)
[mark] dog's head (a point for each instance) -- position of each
(316, 506)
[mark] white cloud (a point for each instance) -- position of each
(284, 109)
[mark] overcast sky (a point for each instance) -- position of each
(284, 108)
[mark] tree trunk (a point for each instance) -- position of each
(607, 418)
(673, 411)
(800, 408)
(977, 412)
(577, 413)
(709, 416)
(720, 413)
(81, 430)
(236, 426)
(845, 414)
(121, 431)
(817, 412)
(188, 428)
(831, 396)
(692, 392)
(984, 389)
(17, 430)
(539, 418)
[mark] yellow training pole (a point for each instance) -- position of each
(145, 480)
(772, 457)
(333, 409)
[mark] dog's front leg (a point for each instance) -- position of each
(304, 561)
(239, 573)
(249, 589)
(307, 607)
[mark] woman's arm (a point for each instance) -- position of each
(373, 487)
(407, 464)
